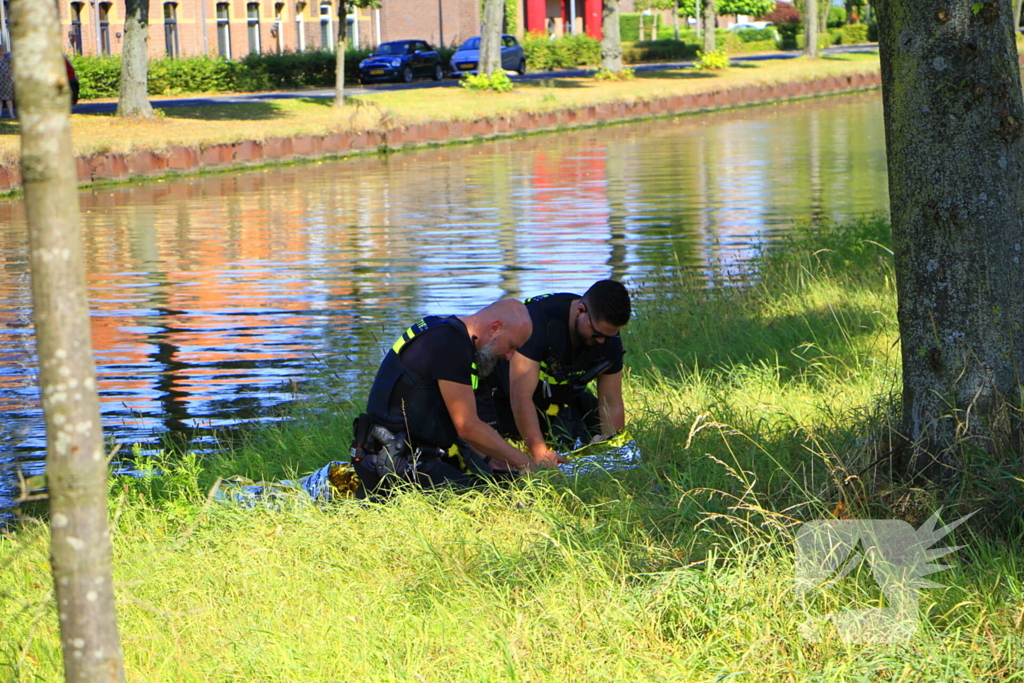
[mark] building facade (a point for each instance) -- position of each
(235, 28)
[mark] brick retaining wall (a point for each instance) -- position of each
(119, 166)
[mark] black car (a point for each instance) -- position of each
(402, 61)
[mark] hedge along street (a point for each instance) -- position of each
(190, 139)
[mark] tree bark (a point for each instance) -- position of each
(710, 20)
(76, 469)
(1016, 17)
(490, 37)
(953, 111)
(339, 54)
(611, 42)
(675, 19)
(132, 96)
(811, 29)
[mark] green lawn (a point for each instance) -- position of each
(203, 126)
(749, 403)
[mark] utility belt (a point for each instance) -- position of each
(387, 451)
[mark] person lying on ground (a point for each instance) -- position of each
(541, 393)
(421, 424)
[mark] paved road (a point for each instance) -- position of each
(207, 100)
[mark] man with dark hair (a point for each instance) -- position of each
(421, 405)
(542, 391)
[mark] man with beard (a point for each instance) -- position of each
(421, 424)
(542, 390)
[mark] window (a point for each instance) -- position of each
(104, 28)
(300, 27)
(171, 28)
(75, 34)
(253, 13)
(277, 30)
(223, 31)
(326, 26)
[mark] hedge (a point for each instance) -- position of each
(543, 53)
(101, 76)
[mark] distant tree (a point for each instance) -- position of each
(342, 46)
(611, 37)
(953, 108)
(710, 20)
(811, 29)
(76, 469)
(490, 36)
(784, 13)
(133, 99)
(750, 8)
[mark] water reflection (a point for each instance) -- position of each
(213, 298)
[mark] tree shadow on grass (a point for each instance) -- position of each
(243, 111)
(675, 74)
(9, 127)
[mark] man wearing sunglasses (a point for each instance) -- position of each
(542, 393)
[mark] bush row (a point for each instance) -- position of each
(101, 76)
(561, 53)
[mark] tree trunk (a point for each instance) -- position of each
(811, 28)
(953, 111)
(76, 469)
(823, 9)
(611, 43)
(132, 96)
(339, 54)
(1016, 18)
(710, 20)
(490, 37)
(654, 27)
(675, 19)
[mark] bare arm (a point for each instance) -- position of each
(609, 397)
(461, 404)
(524, 374)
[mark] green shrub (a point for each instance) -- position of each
(629, 27)
(626, 74)
(658, 51)
(97, 76)
(497, 81)
(543, 53)
(753, 35)
(190, 75)
(855, 33)
(715, 60)
(788, 33)
(873, 31)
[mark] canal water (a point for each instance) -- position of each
(217, 300)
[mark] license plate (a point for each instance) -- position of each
(378, 72)
(467, 66)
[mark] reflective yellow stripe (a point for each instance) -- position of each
(545, 377)
(474, 378)
(409, 335)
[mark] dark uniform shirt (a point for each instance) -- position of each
(441, 353)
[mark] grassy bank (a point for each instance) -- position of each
(203, 126)
(747, 401)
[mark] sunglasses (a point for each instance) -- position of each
(595, 334)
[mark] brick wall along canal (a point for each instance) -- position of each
(218, 299)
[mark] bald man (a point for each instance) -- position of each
(422, 403)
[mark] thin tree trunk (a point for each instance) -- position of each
(1016, 18)
(611, 43)
(490, 37)
(811, 29)
(675, 19)
(341, 48)
(132, 96)
(709, 25)
(654, 27)
(953, 114)
(76, 469)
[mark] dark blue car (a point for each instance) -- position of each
(402, 61)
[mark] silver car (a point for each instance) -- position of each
(467, 56)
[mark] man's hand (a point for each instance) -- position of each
(547, 458)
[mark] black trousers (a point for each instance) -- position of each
(578, 419)
(430, 473)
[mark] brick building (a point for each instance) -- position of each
(235, 28)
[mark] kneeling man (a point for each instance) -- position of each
(422, 403)
(542, 391)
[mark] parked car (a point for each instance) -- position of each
(467, 56)
(759, 25)
(402, 61)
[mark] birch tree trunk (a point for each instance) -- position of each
(339, 54)
(76, 469)
(490, 37)
(811, 29)
(611, 37)
(710, 20)
(953, 111)
(132, 97)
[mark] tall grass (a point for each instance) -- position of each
(747, 399)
